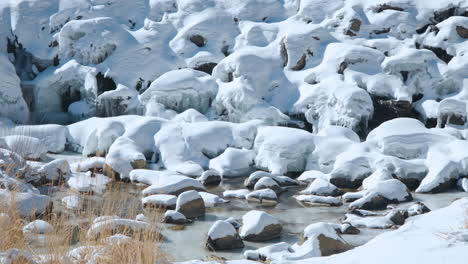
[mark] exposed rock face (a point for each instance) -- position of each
(190, 204)
(462, 31)
(210, 178)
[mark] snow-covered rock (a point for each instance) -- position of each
(160, 201)
(182, 89)
(38, 227)
(28, 147)
(164, 182)
(174, 217)
(222, 235)
(210, 177)
(233, 162)
(212, 200)
(262, 196)
(259, 226)
(190, 204)
(72, 202)
(322, 187)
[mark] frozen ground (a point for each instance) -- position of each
(341, 119)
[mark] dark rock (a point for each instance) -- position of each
(330, 246)
(206, 67)
(198, 40)
(268, 233)
(383, 7)
(462, 31)
(398, 216)
(190, 204)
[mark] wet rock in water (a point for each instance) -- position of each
(162, 201)
(190, 204)
(259, 226)
(38, 227)
(174, 217)
(210, 178)
(268, 183)
(223, 236)
(372, 201)
(417, 209)
(398, 217)
(322, 188)
(262, 196)
(319, 200)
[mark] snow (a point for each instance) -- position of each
(415, 241)
(93, 163)
(212, 200)
(279, 154)
(12, 104)
(85, 183)
(183, 89)
(254, 222)
(28, 147)
(102, 227)
(263, 195)
(236, 193)
(319, 200)
(221, 229)
(233, 162)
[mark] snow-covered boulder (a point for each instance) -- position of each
(262, 196)
(38, 227)
(210, 177)
(182, 89)
(188, 147)
(233, 162)
(281, 150)
(380, 194)
(91, 41)
(165, 182)
(55, 172)
(319, 200)
(28, 147)
(117, 225)
(259, 226)
(212, 200)
(160, 201)
(267, 183)
(322, 187)
(174, 217)
(321, 239)
(222, 235)
(27, 204)
(190, 204)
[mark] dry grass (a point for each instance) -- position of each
(70, 230)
